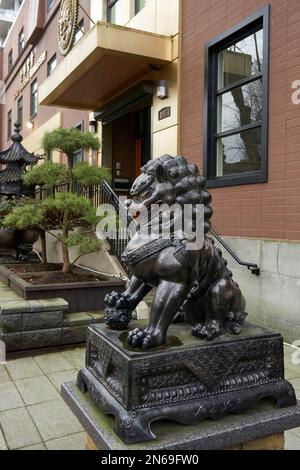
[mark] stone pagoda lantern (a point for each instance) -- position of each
(14, 161)
(16, 158)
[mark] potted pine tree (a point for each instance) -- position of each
(70, 219)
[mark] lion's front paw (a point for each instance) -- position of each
(135, 338)
(210, 330)
(213, 329)
(117, 319)
(111, 299)
(144, 340)
(199, 331)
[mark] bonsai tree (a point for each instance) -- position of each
(27, 214)
(69, 141)
(47, 174)
(59, 213)
(59, 216)
(6, 205)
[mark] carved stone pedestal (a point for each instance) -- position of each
(273, 442)
(186, 381)
(260, 428)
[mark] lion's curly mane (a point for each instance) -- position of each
(189, 186)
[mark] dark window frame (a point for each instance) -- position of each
(10, 61)
(9, 124)
(49, 5)
(109, 5)
(20, 111)
(79, 29)
(79, 154)
(259, 20)
(136, 7)
(21, 41)
(33, 112)
(53, 58)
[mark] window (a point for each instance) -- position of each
(10, 60)
(139, 5)
(79, 31)
(49, 4)
(51, 65)
(236, 104)
(114, 11)
(21, 41)
(9, 124)
(78, 155)
(33, 98)
(20, 111)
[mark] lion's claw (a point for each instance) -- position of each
(112, 299)
(142, 339)
(135, 338)
(199, 331)
(210, 330)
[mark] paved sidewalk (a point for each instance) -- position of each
(33, 415)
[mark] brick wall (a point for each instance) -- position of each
(270, 210)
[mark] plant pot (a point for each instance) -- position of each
(19, 241)
(81, 296)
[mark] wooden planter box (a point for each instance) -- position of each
(82, 296)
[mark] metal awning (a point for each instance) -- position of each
(107, 61)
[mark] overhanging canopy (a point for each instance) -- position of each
(108, 60)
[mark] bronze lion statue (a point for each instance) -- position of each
(192, 284)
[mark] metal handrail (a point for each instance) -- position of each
(254, 268)
(105, 194)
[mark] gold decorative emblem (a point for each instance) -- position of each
(67, 22)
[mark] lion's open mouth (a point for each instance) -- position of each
(145, 192)
(145, 195)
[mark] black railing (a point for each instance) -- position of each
(252, 267)
(100, 194)
(118, 240)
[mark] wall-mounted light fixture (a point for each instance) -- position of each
(162, 89)
(93, 125)
(30, 124)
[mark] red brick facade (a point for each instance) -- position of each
(40, 35)
(269, 210)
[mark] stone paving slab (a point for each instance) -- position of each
(23, 368)
(72, 442)
(9, 397)
(34, 447)
(296, 384)
(36, 390)
(57, 378)
(18, 428)
(53, 362)
(3, 445)
(292, 441)
(53, 419)
(291, 374)
(4, 377)
(76, 357)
